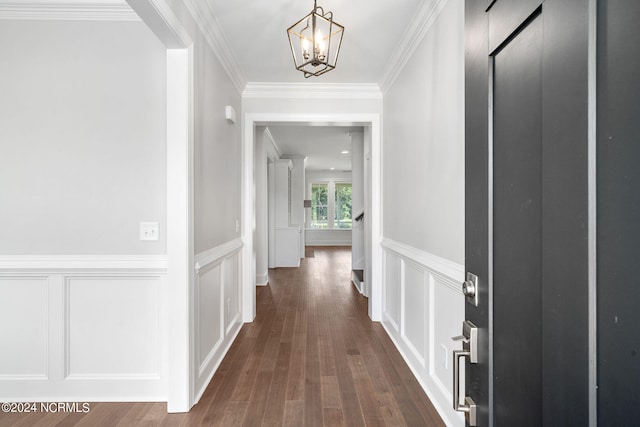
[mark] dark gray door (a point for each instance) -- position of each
(527, 210)
(618, 212)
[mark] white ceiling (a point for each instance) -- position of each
(378, 35)
(322, 145)
(256, 33)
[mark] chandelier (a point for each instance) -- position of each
(315, 42)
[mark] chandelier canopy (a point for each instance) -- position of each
(315, 42)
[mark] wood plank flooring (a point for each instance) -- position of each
(311, 358)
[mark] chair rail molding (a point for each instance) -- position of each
(213, 255)
(72, 263)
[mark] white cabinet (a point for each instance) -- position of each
(287, 247)
(287, 237)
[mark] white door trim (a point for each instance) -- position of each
(163, 22)
(248, 204)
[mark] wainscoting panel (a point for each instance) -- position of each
(414, 310)
(447, 322)
(24, 328)
(217, 304)
(423, 307)
(208, 297)
(327, 237)
(231, 292)
(392, 290)
(112, 328)
(83, 328)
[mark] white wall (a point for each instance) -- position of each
(358, 254)
(261, 233)
(82, 161)
(217, 152)
(82, 138)
(423, 193)
(424, 143)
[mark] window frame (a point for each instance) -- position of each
(336, 221)
(314, 207)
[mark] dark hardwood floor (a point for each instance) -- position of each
(311, 358)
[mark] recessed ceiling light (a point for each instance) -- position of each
(344, 152)
(332, 168)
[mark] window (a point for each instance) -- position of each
(342, 215)
(319, 206)
(330, 206)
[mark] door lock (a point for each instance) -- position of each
(469, 340)
(470, 289)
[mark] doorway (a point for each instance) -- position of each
(371, 122)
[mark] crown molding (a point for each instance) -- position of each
(211, 29)
(422, 21)
(67, 11)
(269, 135)
(312, 90)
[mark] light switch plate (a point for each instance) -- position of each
(149, 231)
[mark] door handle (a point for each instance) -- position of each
(457, 355)
(470, 289)
(469, 350)
(469, 406)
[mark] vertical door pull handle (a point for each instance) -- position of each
(457, 354)
(469, 350)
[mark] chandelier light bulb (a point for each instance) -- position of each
(305, 48)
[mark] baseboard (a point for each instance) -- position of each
(262, 279)
(434, 398)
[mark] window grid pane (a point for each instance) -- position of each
(342, 214)
(319, 206)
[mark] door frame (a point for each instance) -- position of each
(251, 120)
(163, 22)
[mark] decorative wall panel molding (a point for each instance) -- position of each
(217, 314)
(422, 308)
(115, 10)
(312, 90)
(327, 237)
(208, 24)
(78, 263)
(213, 255)
(417, 29)
(112, 328)
(25, 338)
(96, 328)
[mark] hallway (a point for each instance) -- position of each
(312, 357)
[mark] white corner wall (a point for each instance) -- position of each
(217, 216)
(261, 232)
(216, 294)
(83, 304)
(423, 192)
